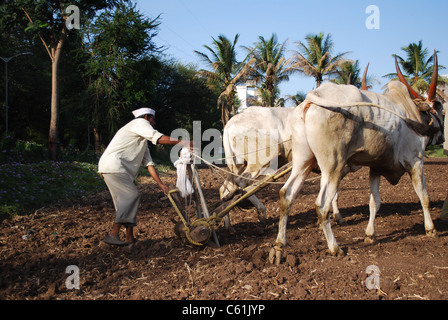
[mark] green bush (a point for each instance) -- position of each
(12, 150)
(70, 153)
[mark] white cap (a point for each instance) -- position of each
(142, 111)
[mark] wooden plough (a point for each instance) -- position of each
(202, 228)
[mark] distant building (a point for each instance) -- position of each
(247, 93)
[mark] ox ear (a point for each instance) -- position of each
(364, 78)
(435, 75)
(403, 80)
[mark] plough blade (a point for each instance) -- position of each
(200, 234)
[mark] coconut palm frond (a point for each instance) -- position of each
(316, 59)
(226, 71)
(417, 67)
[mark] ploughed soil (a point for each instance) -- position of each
(36, 249)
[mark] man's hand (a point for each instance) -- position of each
(153, 172)
(170, 141)
(165, 189)
(186, 144)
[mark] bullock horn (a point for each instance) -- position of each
(435, 75)
(403, 80)
(364, 78)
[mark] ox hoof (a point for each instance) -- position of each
(431, 233)
(338, 252)
(339, 219)
(275, 255)
(370, 239)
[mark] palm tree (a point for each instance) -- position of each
(268, 98)
(225, 72)
(298, 98)
(350, 73)
(417, 68)
(270, 68)
(315, 57)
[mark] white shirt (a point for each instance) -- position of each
(128, 149)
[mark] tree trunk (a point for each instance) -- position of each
(318, 80)
(53, 143)
(232, 103)
(97, 140)
(53, 136)
(224, 114)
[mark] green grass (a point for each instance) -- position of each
(29, 181)
(25, 187)
(435, 151)
(29, 186)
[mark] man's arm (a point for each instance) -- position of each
(153, 172)
(170, 141)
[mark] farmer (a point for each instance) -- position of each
(119, 165)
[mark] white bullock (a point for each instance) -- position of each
(338, 125)
(256, 140)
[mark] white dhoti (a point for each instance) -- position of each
(125, 196)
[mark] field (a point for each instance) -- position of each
(36, 249)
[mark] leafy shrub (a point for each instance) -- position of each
(12, 150)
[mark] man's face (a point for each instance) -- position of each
(151, 120)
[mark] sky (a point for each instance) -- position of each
(370, 36)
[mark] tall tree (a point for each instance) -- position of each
(182, 97)
(350, 73)
(46, 19)
(23, 70)
(315, 57)
(298, 98)
(270, 68)
(115, 61)
(417, 67)
(225, 72)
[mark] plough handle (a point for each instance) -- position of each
(170, 197)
